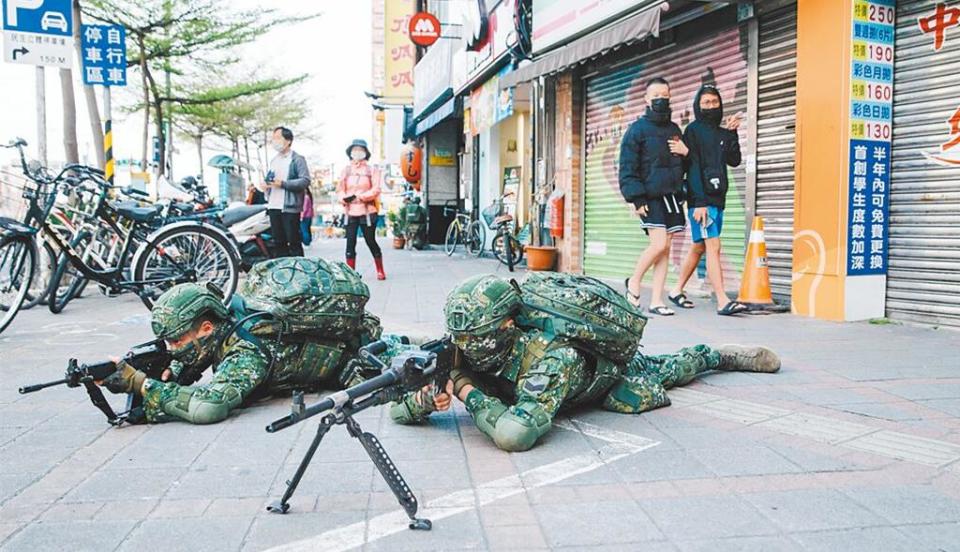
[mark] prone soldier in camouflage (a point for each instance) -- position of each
(200, 333)
(515, 380)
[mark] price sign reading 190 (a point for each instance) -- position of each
(879, 52)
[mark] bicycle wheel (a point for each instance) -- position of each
(18, 261)
(186, 254)
(453, 238)
(67, 280)
(476, 236)
(37, 294)
(500, 252)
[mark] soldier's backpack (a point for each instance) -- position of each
(591, 314)
(306, 297)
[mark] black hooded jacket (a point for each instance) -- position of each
(711, 149)
(648, 171)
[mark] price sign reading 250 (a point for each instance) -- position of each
(881, 14)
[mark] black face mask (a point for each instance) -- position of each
(660, 105)
(711, 116)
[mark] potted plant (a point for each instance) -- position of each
(396, 228)
(539, 255)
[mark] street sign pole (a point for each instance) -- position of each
(41, 116)
(108, 169)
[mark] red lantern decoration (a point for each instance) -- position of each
(411, 164)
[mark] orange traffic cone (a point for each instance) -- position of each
(755, 283)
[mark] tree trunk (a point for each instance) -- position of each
(199, 138)
(246, 147)
(89, 94)
(146, 106)
(70, 149)
(162, 149)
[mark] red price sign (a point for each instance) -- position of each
(424, 29)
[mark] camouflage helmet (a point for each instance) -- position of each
(480, 304)
(176, 311)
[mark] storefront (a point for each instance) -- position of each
(706, 51)
(923, 279)
(437, 117)
(776, 123)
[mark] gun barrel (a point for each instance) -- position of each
(36, 387)
(339, 398)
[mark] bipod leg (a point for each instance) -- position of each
(390, 474)
(282, 506)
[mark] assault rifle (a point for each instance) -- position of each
(151, 357)
(408, 371)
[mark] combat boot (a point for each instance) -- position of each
(739, 358)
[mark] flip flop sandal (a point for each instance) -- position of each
(631, 298)
(732, 308)
(662, 311)
(681, 300)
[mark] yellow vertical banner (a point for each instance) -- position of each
(400, 54)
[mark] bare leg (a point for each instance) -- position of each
(688, 266)
(715, 271)
(658, 241)
(660, 273)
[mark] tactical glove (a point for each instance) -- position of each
(126, 379)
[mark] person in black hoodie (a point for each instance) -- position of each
(651, 178)
(712, 149)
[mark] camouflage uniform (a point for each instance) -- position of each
(245, 364)
(524, 377)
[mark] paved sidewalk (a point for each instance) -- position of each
(854, 445)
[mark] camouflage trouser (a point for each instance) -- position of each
(644, 384)
(203, 404)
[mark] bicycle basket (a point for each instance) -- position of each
(491, 212)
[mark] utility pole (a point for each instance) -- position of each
(41, 116)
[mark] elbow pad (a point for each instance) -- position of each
(513, 429)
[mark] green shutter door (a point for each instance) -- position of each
(612, 236)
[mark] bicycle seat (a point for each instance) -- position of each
(138, 214)
(233, 215)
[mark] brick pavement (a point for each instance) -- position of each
(855, 445)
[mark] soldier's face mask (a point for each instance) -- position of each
(192, 349)
(486, 352)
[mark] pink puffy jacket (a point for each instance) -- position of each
(363, 181)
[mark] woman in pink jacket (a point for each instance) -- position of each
(358, 191)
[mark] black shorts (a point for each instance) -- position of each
(664, 212)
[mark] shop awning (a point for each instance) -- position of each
(632, 29)
(437, 116)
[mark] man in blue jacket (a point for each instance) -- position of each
(712, 149)
(651, 178)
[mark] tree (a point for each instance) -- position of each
(184, 38)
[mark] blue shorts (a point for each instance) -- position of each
(712, 230)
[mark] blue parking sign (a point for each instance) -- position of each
(38, 32)
(104, 54)
(49, 17)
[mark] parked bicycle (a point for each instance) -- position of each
(187, 251)
(463, 230)
(506, 245)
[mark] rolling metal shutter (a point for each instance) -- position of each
(613, 238)
(776, 138)
(923, 279)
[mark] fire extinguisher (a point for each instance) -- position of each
(556, 214)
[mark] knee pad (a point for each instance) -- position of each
(205, 412)
(519, 428)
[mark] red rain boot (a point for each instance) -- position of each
(381, 275)
(352, 263)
